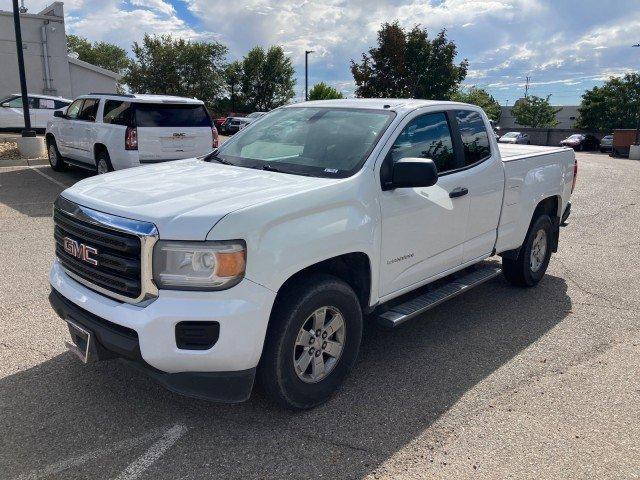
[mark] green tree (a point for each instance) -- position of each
(480, 97)
(322, 91)
(267, 78)
(101, 54)
(166, 65)
(535, 112)
(409, 64)
(616, 104)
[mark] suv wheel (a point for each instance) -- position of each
(312, 342)
(533, 259)
(55, 160)
(103, 162)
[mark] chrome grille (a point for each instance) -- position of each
(121, 251)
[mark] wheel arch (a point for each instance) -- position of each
(99, 147)
(49, 137)
(353, 268)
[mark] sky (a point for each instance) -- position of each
(564, 46)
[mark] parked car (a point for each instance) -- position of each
(107, 132)
(581, 141)
(261, 260)
(41, 108)
(515, 137)
(235, 124)
(606, 144)
(219, 121)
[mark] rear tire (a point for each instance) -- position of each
(103, 162)
(55, 159)
(533, 258)
(312, 342)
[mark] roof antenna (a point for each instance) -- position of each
(22, 8)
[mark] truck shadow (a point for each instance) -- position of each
(405, 380)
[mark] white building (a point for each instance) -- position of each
(566, 118)
(49, 70)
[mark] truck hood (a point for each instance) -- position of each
(186, 198)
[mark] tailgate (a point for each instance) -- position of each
(166, 143)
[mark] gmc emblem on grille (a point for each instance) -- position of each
(80, 250)
(180, 134)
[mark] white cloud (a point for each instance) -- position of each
(159, 5)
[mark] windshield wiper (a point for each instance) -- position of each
(214, 156)
(271, 168)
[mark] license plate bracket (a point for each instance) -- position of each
(82, 343)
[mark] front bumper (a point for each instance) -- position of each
(241, 311)
(114, 341)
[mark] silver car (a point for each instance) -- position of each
(606, 144)
(515, 137)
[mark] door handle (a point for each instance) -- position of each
(458, 192)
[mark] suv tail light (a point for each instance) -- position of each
(214, 133)
(131, 139)
(575, 175)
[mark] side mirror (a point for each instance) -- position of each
(414, 172)
(59, 114)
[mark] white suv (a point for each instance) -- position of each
(105, 132)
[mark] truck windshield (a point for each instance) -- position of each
(316, 141)
(171, 115)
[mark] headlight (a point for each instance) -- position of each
(199, 265)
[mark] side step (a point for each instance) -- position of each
(400, 313)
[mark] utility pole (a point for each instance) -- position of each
(526, 87)
(27, 132)
(638, 115)
(306, 73)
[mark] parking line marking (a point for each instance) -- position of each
(48, 177)
(155, 451)
(87, 457)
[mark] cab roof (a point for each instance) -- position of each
(392, 104)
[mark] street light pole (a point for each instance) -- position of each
(306, 73)
(638, 114)
(27, 132)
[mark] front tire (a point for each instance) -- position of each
(533, 258)
(55, 159)
(312, 342)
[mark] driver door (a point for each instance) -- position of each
(423, 229)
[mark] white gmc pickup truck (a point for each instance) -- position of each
(264, 258)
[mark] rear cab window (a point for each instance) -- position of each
(171, 115)
(473, 133)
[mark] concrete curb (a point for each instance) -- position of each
(23, 162)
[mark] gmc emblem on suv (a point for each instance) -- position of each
(80, 250)
(180, 134)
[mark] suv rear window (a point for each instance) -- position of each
(117, 112)
(171, 115)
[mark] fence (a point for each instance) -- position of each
(549, 136)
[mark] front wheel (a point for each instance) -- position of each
(312, 342)
(533, 258)
(55, 159)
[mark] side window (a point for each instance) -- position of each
(34, 102)
(74, 109)
(60, 104)
(474, 136)
(47, 104)
(427, 136)
(117, 112)
(89, 110)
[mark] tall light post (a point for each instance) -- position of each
(27, 132)
(306, 73)
(638, 114)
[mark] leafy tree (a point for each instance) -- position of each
(480, 97)
(233, 80)
(322, 91)
(614, 105)
(101, 54)
(167, 65)
(409, 64)
(535, 112)
(267, 78)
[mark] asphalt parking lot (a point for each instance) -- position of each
(498, 383)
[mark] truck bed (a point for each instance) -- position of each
(511, 152)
